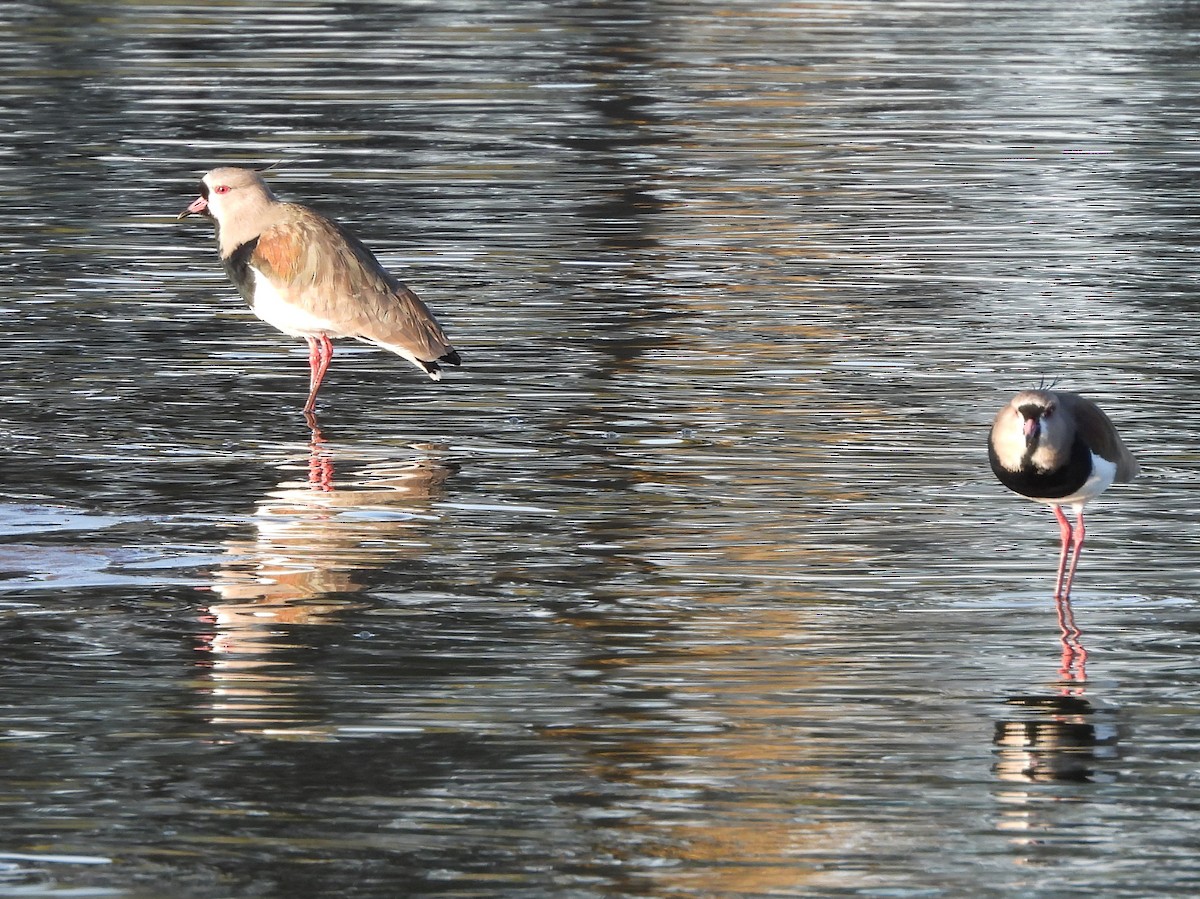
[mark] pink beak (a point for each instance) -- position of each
(198, 205)
(1031, 427)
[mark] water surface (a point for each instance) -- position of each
(693, 580)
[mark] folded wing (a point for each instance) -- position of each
(327, 273)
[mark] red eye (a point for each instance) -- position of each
(222, 188)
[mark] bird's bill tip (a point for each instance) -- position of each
(198, 206)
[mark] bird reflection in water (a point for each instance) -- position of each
(301, 569)
(1044, 740)
(1054, 738)
(1061, 736)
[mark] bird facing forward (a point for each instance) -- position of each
(310, 277)
(1061, 449)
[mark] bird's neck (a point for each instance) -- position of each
(238, 228)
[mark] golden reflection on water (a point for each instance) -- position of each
(721, 750)
(726, 775)
(313, 540)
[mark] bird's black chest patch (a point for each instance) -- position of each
(237, 267)
(1055, 484)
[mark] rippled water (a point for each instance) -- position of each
(693, 580)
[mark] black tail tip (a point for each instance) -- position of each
(433, 369)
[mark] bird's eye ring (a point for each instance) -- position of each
(222, 189)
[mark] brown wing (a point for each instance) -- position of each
(1101, 435)
(325, 270)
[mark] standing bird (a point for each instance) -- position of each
(1059, 448)
(310, 277)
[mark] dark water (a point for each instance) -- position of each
(694, 579)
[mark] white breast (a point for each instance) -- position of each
(287, 317)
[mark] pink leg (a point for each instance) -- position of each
(312, 355)
(314, 365)
(320, 354)
(1064, 530)
(1076, 549)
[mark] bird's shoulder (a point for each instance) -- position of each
(301, 245)
(1100, 434)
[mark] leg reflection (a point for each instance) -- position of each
(320, 458)
(1074, 656)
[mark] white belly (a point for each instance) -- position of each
(290, 319)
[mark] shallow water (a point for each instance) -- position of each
(693, 580)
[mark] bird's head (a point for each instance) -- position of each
(1031, 430)
(237, 200)
(1037, 412)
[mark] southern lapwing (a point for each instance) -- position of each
(310, 277)
(1059, 448)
